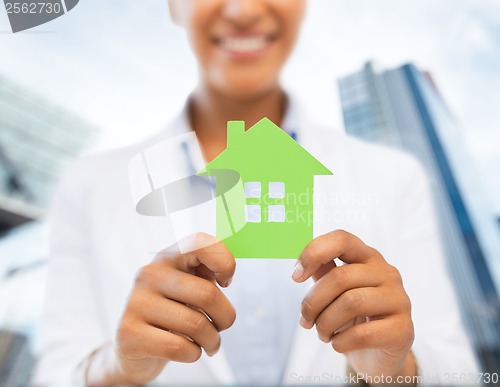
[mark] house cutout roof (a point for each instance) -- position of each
(266, 142)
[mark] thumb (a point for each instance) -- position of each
(209, 255)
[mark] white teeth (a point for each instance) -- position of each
(243, 44)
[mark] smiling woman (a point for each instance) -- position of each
(114, 316)
(240, 46)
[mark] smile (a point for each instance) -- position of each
(244, 45)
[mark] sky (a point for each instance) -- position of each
(124, 66)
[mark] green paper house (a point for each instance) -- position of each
(276, 207)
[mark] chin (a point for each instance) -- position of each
(248, 87)
(247, 94)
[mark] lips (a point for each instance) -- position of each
(245, 44)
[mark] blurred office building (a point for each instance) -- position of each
(403, 108)
(37, 140)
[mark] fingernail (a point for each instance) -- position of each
(304, 324)
(228, 282)
(323, 338)
(211, 354)
(298, 271)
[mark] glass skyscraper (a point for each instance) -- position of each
(403, 108)
(37, 140)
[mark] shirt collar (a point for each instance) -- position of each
(289, 123)
(181, 125)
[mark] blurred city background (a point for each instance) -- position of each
(419, 75)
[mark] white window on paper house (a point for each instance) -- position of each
(275, 213)
(276, 190)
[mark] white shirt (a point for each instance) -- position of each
(99, 242)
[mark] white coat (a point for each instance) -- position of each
(98, 243)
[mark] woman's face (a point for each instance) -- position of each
(240, 45)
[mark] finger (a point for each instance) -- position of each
(204, 272)
(391, 334)
(324, 269)
(200, 293)
(360, 302)
(324, 249)
(179, 318)
(206, 250)
(332, 285)
(143, 341)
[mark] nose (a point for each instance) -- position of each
(242, 13)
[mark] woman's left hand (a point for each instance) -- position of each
(360, 307)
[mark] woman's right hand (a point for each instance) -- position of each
(174, 310)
